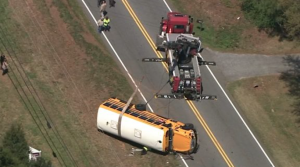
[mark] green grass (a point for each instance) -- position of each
(267, 109)
(223, 37)
(110, 78)
(11, 105)
(67, 119)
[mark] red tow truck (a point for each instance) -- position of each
(182, 55)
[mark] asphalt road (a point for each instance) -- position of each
(231, 134)
(233, 65)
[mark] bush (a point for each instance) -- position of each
(14, 150)
(279, 16)
(264, 13)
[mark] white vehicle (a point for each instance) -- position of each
(146, 128)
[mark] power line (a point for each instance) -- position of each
(74, 138)
(34, 98)
(79, 122)
(11, 69)
(65, 71)
(43, 109)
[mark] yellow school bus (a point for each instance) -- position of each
(146, 128)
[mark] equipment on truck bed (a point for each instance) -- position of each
(183, 60)
(146, 128)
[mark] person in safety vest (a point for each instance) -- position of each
(144, 151)
(106, 22)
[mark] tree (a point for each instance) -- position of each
(292, 78)
(266, 14)
(5, 159)
(292, 14)
(279, 17)
(14, 150)
(41, 162)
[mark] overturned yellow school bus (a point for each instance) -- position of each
(146, 128)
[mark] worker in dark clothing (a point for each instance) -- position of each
(112, 3)
(2, 58)
(178, 58)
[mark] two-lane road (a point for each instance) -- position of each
(224, 138)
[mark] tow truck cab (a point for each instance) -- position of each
(177, 23)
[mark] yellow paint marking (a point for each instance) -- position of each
(190, 103)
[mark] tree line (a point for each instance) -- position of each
(277, 17)
(14, 150)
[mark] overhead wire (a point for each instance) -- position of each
(58, 60)
(11, 69)
(33, 117)
(68, 76)
(157, 92)
(48, 122)
(53, 153)
(43, 111)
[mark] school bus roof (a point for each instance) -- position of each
(116, 105)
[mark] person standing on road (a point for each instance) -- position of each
(106, 22)
(100, 25)
(112, 3)
(4, 67)
(102, 9)
(99, 2)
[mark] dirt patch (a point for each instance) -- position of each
(261, 42)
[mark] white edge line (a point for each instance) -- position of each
(232, 104)
(125, 68)
(118, 56)
(239, 115)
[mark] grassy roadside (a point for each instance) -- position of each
(226, 29)
(14, 106)
(26, 108)
(222, 37)
(48, 38)
(111, 78)
(98, 55)
(268, 110)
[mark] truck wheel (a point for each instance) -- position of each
(140, 107)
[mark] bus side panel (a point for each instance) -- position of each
(107, 121)
(131, 129)
(143, 133)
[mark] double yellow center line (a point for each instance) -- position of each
(190, 103)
